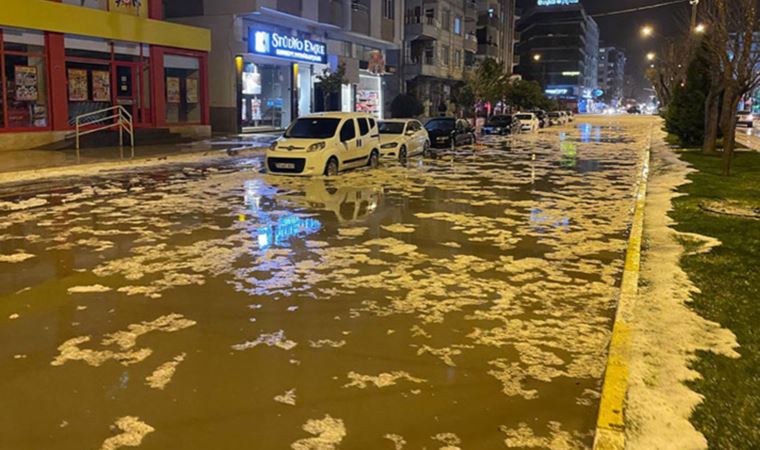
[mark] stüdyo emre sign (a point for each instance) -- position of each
(284, 46)
(557, 2)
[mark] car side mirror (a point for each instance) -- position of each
(410, 132)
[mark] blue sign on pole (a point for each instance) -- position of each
(271, 43)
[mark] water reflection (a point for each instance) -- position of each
(348, 203)
(279, 232)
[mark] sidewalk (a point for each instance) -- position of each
(37, 159)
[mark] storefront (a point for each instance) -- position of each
(277, 77)
(156, 70)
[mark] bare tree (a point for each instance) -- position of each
(733, 45)
(670, 70)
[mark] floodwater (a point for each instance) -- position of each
(464, 301)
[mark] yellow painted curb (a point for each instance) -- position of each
(610, 424)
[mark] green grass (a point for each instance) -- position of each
(729, 280)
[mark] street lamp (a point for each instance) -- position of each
(647, 30)
(701, 28)
(537, 57)
(651, 56)
(694, 5)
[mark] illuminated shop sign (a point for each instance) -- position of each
(557, 2)
(558, 91)
(285, 46)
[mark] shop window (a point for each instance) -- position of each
(369, 95)
(265, 96)
(25, 94)
(182, 81)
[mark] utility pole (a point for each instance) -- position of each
(694, 4)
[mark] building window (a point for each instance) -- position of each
(458, 25)
(445, 51)
(265, 96)
(458, 58)
(389, 8)
(182, 89)
(24, 99)
(446, 19)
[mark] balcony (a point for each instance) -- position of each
(427, 66)
(422, 26)
(471, 42)
(490, 50)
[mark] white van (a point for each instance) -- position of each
(325, 144)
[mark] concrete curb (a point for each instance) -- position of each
(611, 423)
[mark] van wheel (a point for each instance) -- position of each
(374, 159)
(402, 155)
(331, 169)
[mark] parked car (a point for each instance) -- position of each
(556, 118)
(447, 131)
(325, 143)
(543, 118)
(745, 118)
(528, 121)
(501, 125)
(570, 116)
(634, 110)
(402, 138)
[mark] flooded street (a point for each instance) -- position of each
(464, 301)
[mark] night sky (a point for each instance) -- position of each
(624, 30)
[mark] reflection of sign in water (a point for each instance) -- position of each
(286, 227)
(569, 152)
(26, 83)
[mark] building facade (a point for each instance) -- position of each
(444, 38)
(267, 55)
(612, 62)
(62, 59)
(559, 48)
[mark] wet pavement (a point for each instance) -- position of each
(463, 301)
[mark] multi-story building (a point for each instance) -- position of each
(612, 75)
(443, 38)
(267, 54)
(559, 47)
(61, 59)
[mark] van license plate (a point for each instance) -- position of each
(285, 165)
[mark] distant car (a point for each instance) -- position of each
(325, 143)
(446, 132)
(543, 118)
(634, 110)
(570, 116)
(556, 118)
(745, 118)
(501, 125)
(402, 138)
(528, 121)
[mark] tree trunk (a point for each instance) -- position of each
(728, 126)
(712, 121)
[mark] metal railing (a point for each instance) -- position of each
(119, 117)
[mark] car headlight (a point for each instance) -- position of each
(316, 147)
(390, 145)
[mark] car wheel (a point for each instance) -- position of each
(331, 169)
(402, 155)
(426, 149)
(374, 160)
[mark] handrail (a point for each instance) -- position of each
(123, 120)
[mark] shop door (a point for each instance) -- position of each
(129, 91)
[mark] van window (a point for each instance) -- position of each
(371, 124)
(348, 131)
(363, 126)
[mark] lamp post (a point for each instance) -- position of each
(694, 4)
(647, 30)
(651, 56)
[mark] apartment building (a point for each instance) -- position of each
(612, 62)
(266, 56)
(443, 38)
(61, 59)
(559, 47)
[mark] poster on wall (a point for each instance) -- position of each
(26, 83)
(251, 83)
(256, 109)
(191, 90)
(101, 86)
(172, 90)
(77, 85)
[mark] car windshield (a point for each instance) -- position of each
(500, 121)
(440, 125)
(524, 117)
(391, 127)
(553, 114)
(313, 128)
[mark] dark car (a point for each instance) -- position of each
(445, 132)
(634, 110)
(543, 120)
(501, 125)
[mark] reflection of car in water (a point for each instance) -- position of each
(348, 203)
